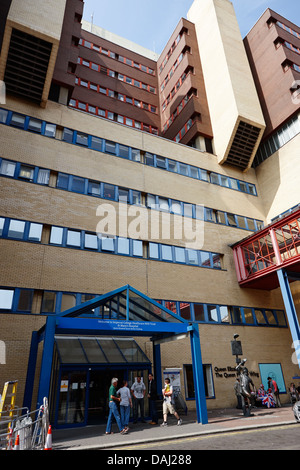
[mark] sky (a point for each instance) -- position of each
(151, 23)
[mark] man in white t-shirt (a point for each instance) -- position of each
(138, 390)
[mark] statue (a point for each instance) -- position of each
(246, 388)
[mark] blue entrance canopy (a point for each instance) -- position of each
(121, 312)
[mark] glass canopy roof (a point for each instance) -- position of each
(98, 350)
(125, 303)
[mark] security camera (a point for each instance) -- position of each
(235, 336)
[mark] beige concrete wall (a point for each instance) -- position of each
(278, 179)
(229, 84)
(40, 266)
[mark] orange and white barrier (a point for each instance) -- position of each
(48, 445)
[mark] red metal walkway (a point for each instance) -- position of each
(259, 256)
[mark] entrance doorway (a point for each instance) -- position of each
(100, 381)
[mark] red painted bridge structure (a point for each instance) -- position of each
(270, 258)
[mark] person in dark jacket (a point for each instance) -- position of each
(152, 395)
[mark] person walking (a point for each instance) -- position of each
(275, 391)
(113, 410)
(125, 404)
(152, 395)
(168, 406)
(138, 391)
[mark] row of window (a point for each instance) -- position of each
(80, 239)
(170, 52)
(175, 89)
(288, 29)
(28, 123)
(179, 108)
(287, 132)
(292, 47)
(116, 193)
(172, 70)
(119, 76)
(184, 130)
(112, 116)
(21, 300)
(120, 58)
(287, 65)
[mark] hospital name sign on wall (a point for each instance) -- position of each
(228, 372)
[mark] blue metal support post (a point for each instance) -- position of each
(46, 366)
(157, 368)
(201, 407)
(290, 310)
(31, 370)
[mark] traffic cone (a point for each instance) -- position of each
(48, 445)
(17, 443)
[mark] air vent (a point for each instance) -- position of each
(27, 65)
(243, 145)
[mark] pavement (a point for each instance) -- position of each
(219, 421)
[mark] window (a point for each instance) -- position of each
(212, 313)
(153, 250)
(192, 256)
(94, 188)
(110, 147)
(108, 191)
(189, 381)
(6, 299)
(73, 238)
(25, 300)
(123, 246)
(43, 176)
(199, 312)
(248, 314)
(16, 229)
(179, 254)
(163, 204)
(49, 302)
(136, 155)
(236, 315)
(224, 313)
(205, 259)
(17, 120)
(2, 220)
(3, 116)
(82, 139)
(35, 232)
(270, 317)
(78, 184)
(149, 159)
(137, 248)
(35, 125)
(161, 162)
(67, 135)
(26, 172)
(185, 310)
(166, 253)
(56, 235)
(62, 181)
(260, 317)
(123, 195)
(123, 151)
(108, 244)
(96, 143)
(90, 241)
(67, 301)
(7, 168)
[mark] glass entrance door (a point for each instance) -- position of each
(100, 381)
(72, 398)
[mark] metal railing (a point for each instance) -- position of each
(30, 426)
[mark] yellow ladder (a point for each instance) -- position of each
(11, 395)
